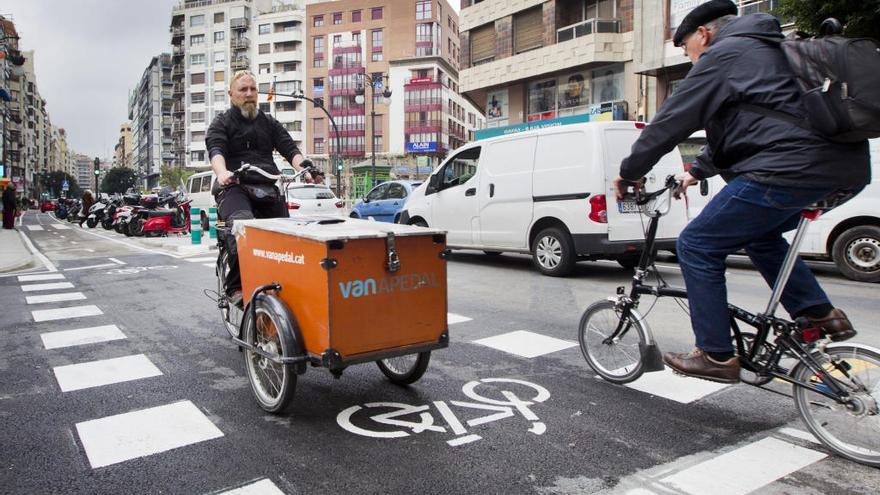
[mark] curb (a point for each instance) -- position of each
(17, 264)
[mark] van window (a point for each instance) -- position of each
(206, 183)
(194, 184)
(396, 191)
(461, 168)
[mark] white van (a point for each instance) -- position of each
(198, 186)
(547, 192)
(848, 235)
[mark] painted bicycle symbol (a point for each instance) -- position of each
(131, 270)
(424, 419)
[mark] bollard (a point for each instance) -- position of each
(195, 215)
(212, 222)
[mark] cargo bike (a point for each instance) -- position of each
(332, 292)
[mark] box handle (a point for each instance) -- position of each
(393, 259)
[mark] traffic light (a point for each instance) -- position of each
(97, 166)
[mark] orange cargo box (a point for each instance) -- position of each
(360, 290)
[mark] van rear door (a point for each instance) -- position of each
(506, 192)
(632, 226)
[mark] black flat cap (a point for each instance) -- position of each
(701, 15)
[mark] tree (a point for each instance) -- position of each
(174, 176)
(53, 182)
(118, 180)
(860, 18)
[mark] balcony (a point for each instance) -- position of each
(179, 89)
(417, 126)
(178, 50)
(239, 23)
(240, 63)
(177, 71)
(240, 43)
(177, 32)
(588, 27)
(167, 95)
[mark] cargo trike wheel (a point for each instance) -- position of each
(403, 370)
(270, 329)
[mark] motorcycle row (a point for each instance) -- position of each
(133, 214)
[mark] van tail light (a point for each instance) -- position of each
(687, 166)
(340, 204)
(598, 209)
(640, 125)
(292, 206)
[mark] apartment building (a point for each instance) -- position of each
(409, 48)
(122, 151)
(150, 111)
(85, 172)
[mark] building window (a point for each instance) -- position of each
(337, 40)
(264, 48)
(376, 13)
(219, 76)
(197, 20)
(198, 78)
(423, 9)
(355, 16)
(197, 117)
(264, 69)
(265, 107)
(197, 59)
(376, 35)
(219, 58)
(219, 36)
(285, 106)
(196, 39)
(197, 156)
(218, 17)
(424, 40)
(318, 21)
(285, 46)
(286, 67)
(337, 18)
(318, 51)
(197, 97)
(356, 37)
(219, 96)
(264, 29)
(318, 145)
(318, 86)
(287, 87)
(528, 30)
(483, 44)
(377, 142)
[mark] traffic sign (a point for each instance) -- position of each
(65, 186)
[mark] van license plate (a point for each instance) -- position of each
(626, 206)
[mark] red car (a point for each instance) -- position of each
(47, 205)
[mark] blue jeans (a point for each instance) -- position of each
(743, 215)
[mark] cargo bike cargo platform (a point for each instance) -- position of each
(332, 292)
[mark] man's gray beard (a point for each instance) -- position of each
(248, 110)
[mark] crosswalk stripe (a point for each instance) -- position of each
(131, 435)
(452, 319)
(674, 387)
(53, 286)
(65, 313)
(37, 278)
(199, 260)
(212, 265)
(35, 228)
(64, 296)
(81, 336)
(745, 469)
(60, 227)
(526, 344)
(104, 372)
(262, 487)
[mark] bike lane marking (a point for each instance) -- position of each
(34, 228)
(47, 298)
(264, 486)
(66, 313)
(526, 344)
(452, 319)
(104, 372)
(136, 434)
(202, 259)
(81, 336)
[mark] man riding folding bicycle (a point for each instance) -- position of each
(774, 170)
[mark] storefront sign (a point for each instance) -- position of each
(419, 80)
(422, 147)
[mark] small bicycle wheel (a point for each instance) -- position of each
(618, 361)
(270, 330)
(403, 370)
(852, 430)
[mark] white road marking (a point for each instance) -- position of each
(74, 242)
(674, 387)
(64, 296)
(30, 245)
(37, 278)
(452, 319)
(212, 265)
(745, 469)
(81, 336)
(52, 286)
(118, 262)
(59, 227)
(127, 436)
(105, 265)
(35, 228)
(199, 260)
(526, 344)
(262, 487)
(104, 372)
(801, 434)
(127, 244)
(66, 313)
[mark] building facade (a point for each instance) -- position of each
(409, 48)
(85, 172)
(150, 111)
(122, 152)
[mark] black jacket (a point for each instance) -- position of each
(240, 141)
(737, 69)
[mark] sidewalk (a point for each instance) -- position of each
(14, 254)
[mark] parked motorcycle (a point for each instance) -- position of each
(62, 210)
(172, 220)
(96, 212)
(110, 212)
(140, 214)
(73, 211)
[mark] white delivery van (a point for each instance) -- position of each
(547, 192)
(848, 235)
(198, 186)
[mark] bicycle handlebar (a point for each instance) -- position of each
(307, 166)
(642, 198)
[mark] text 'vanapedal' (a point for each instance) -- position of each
(386, 285)
(286, 257)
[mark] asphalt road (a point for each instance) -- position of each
(180, 417)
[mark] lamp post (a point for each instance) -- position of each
(376, 82)
(319, 103)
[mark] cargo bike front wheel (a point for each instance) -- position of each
(407, 369)
(270, 328)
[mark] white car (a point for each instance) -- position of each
(313, 199)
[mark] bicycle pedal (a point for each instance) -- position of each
(652, 360)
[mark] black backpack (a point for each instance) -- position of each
(840, 81)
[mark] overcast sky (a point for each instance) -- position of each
(88, 55)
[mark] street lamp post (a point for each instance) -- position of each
(376, 82)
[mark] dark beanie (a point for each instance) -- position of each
(702, 15)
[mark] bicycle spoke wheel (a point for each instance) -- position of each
(852, 430)
(618, 361)
(230, 315)
(403, 370)
(272, 383)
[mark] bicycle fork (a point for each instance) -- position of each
(649, 353)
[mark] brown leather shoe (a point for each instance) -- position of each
(835, 325)
(699, 365)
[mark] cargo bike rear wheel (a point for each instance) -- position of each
(270, 328)
(407, 369)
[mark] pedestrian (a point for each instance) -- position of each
(10, 206)
(87, 201)
(774, 169)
